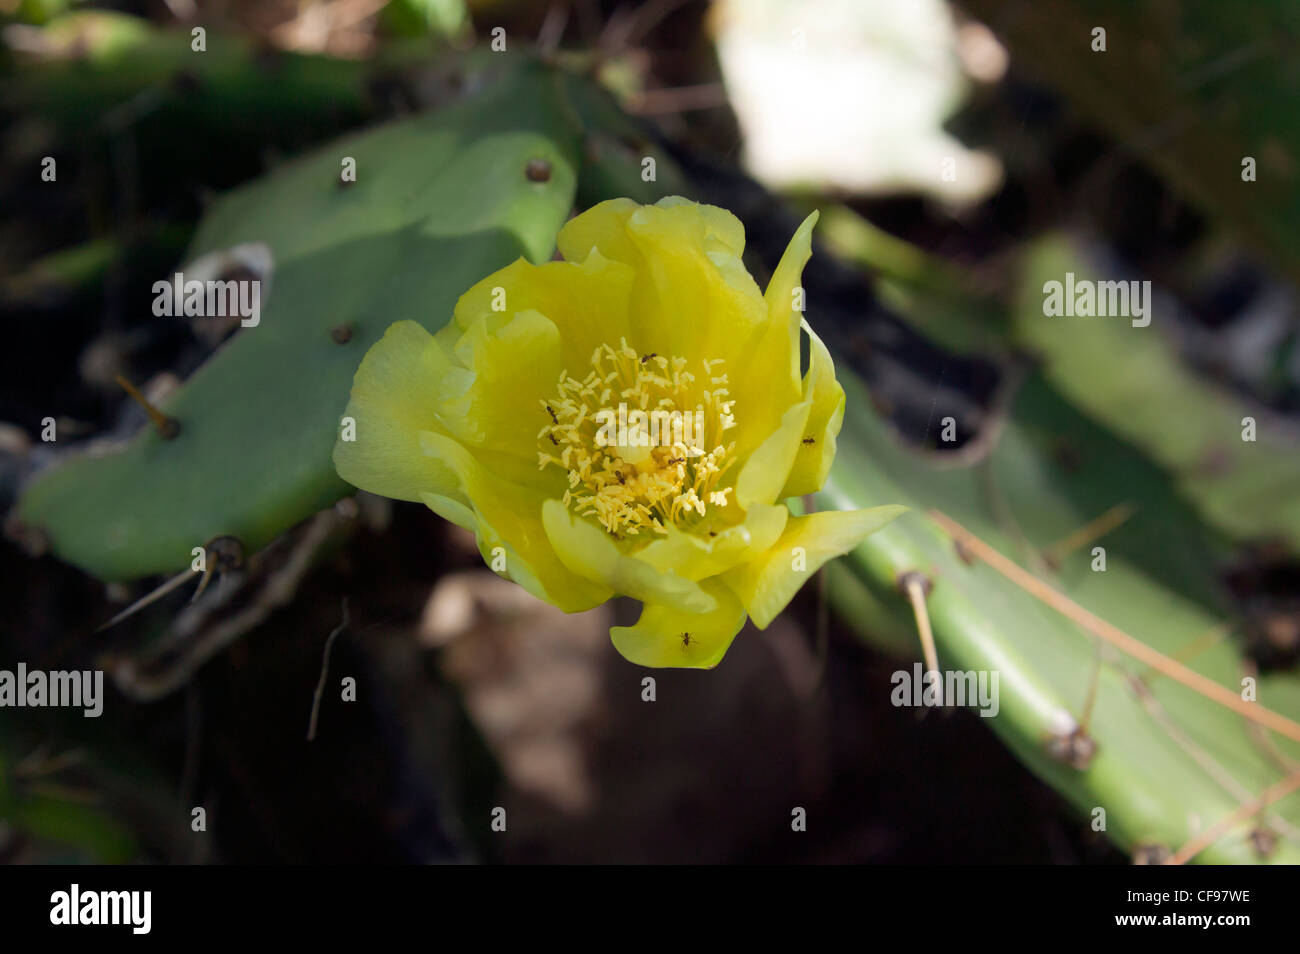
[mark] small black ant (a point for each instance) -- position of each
(810, 440)
(622, 478)
(553, 440)
(551, 412)
(647, 357)
(686, 639)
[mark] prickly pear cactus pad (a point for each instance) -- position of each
(393, 223)
(1107, 729)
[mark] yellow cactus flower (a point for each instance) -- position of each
(626, 421)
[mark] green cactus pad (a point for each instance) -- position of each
(439, 201)
(1157, 785)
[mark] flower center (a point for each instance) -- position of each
(633, 436)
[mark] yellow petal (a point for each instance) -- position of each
(692, 296)
(789, 271)
(696, 298)
(767, 584)
(765, 472)
(508, 515)
(602, 227)
(769, 356)
(664, 636)
(395, 393)
(723, 231)
(605, 227)
(589, 552)
(587, 301)
(514, 368)
(813, 460)
(697, 557)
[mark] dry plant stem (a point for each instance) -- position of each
(1206, 641)
(1270, 750)
(324, 673)
(1216, 831)
(1121, 640)
(915, 588)
(197, 634)
(1092, 530)
(1006, 518)
(1222, 777)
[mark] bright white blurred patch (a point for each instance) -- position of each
(983, 57)
(851, 94)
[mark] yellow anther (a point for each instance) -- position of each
(641, 479)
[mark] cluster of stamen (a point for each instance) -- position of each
(631, 485)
